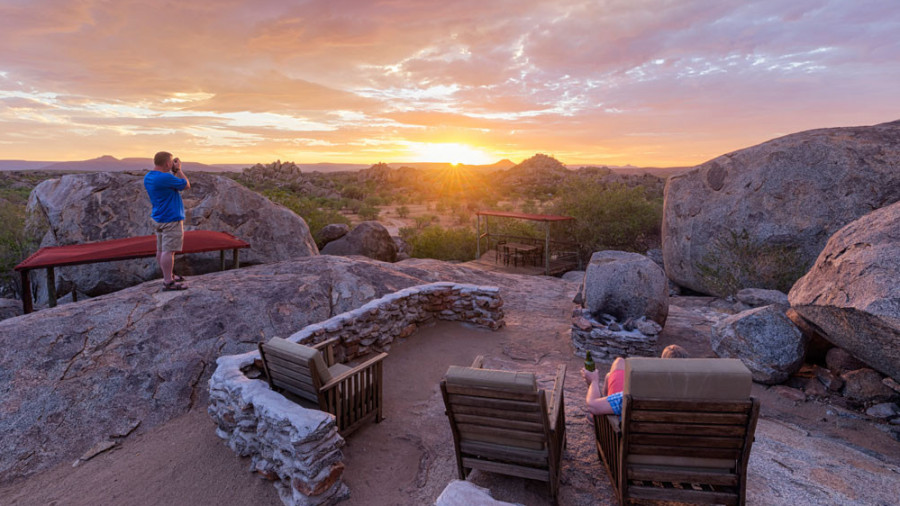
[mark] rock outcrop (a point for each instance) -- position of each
(757, 297)
(764, 339)
(760, 216)
(10, 308)
(331, 232)
(852, 293)
(625, 285)
(82, 208)
(288, 175)
(369, 238)
(82, 373)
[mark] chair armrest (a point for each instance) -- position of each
(478, 363)
(356, 370)
(556, 398)
(327, 349)
(614, 423)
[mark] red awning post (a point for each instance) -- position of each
(27, 306)
(51, 287)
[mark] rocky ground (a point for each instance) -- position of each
(806, 452)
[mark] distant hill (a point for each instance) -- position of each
(110, 163)
(501, 165)
(22, 165)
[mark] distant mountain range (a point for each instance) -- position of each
(108, 163)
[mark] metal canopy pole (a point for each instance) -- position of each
(546, 248)
(477, 236)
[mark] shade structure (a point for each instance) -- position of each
(195, 241)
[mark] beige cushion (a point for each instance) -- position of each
(338, 369)
(301, 353)
(687, 378)
(490, 378)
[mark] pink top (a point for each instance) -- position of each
(615, 382)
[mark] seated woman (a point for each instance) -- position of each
(607, 399)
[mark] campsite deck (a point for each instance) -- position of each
(492, 261)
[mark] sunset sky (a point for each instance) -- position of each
(650, 83)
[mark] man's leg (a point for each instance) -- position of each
(166, 261)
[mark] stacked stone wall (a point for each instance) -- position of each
(299, 448)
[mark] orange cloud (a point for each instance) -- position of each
(652, 82)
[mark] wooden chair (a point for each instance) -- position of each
(685, 434)
(352, 394)
(502, 423)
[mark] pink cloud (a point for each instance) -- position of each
(651, 79)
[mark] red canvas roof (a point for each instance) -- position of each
(523, 216)
(195, 241)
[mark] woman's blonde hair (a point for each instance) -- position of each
(675, 351)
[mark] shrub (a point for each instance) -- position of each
(609, 217)
(369, 213)
(441, 243)
(403, 211)
(306, 208)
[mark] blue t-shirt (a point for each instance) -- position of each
(163, 189)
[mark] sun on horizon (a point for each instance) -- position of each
(451, 152)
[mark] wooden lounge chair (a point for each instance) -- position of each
(351, 394)
(503, 423)
(685, 434)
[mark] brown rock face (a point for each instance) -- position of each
(625, 285)
(78, 374)
(852, 293)
(369, 239)
(82, 208)
(865, 385)
(758, 217)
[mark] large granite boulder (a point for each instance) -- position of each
(83, 373)
(625, 285)
(10, 308)
(759, 217)
(369, 238)
(331, 232)
(852, 293)
(764, 339)
(758, 297)
(82, 208)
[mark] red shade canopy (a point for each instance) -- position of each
(195, 241)
(523, 216)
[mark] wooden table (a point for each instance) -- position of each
(195, 241)
(516, 248)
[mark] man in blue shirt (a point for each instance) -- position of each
(164, 184)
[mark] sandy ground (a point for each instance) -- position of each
(408, 458)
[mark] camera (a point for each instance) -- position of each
(174, 165)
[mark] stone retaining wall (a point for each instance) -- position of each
(299, 448)
(608, 340)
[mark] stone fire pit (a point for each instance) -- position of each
(606, 338)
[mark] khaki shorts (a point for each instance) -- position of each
(169, 236)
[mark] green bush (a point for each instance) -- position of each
(441, 243)
(369, 213)
(403, 211)
(306, 208)
(609, 217)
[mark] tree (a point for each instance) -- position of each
(610, 217)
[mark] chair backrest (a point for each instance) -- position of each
(687, 412)
(294, 367)
(491, 408)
